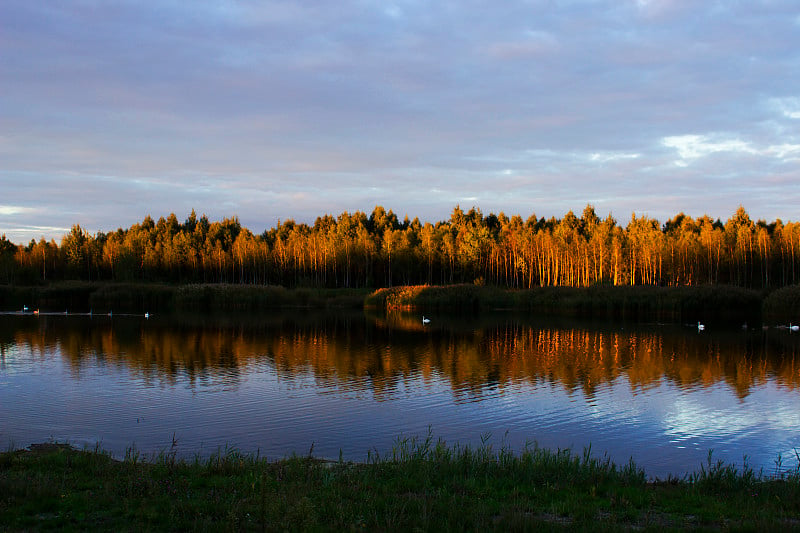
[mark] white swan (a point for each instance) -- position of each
(700, 327)
(425, 320)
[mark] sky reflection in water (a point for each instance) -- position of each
(280, 384)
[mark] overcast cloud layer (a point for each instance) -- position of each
(110, 111)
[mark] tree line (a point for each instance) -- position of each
(379, 250)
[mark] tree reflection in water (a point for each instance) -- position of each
(351, 351)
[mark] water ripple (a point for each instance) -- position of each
(656, 394)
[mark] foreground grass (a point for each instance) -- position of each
(422, 485)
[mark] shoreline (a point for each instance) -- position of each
(48, 447)
(423, 484)
(685, 304)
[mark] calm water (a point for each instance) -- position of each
(282, 383)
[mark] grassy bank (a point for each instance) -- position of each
(710, 303)
(422, 485)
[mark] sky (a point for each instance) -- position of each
(114, 110)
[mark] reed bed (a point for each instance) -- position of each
(422, 484)
(132, 297)
(783, 305)
(711, 303)
(461, 297)
(227, 297)
(128, 297)
(55, 297)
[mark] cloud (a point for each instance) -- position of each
(115, 110)
(605, 157)
(12, 210)
(661, 8)
(23, 234)
(786, 152)
(692, 147)
(532, 43)
(788, 107)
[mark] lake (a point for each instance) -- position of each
(343, 383)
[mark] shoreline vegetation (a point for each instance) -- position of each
(710, 303)
(356, 250)
(421, 484)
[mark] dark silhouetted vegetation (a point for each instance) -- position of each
(104, 297)
(783, 305)
(421, 485)
(709, 302)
